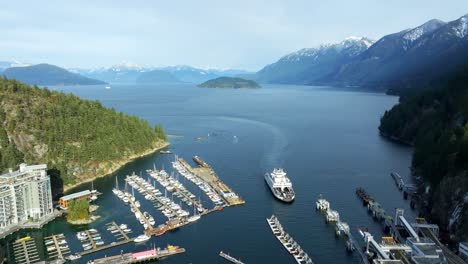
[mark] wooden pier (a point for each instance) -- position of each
(139, 257)
(25, 250)
(90, 238)
(111, 245)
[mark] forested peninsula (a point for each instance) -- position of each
(78, 139)
(435, 122)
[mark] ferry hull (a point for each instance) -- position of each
(278, 195)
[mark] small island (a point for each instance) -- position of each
(79, 212)
(229, 82)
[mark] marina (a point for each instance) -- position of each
(57, 247)
(119, 231)
(288, 242)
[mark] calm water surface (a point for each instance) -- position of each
(326, 139)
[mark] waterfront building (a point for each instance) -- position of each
(64, 200)
(25, 195)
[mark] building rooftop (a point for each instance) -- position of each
(24, 168)
(75, 195)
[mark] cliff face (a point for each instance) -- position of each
(436, 123)
(78, 139)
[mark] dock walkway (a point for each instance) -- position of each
(117, 227)
(111, 245)
(230, 258)
(58, 252)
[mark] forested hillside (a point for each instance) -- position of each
(436, 123)
(78, 139)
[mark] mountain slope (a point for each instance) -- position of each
(308, 65)
(78, 139)
(46, 74)
(408, 58)
(157, 76)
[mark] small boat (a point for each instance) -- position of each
(193, 218)
(73, 257)
(165, 152)
(87, 248)
(108, 87)
(142, 238)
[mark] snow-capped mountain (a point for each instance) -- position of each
(351, 46)
(14, 63)
(189, 74)
(426, 28)
(310, 64)
(127, 72)
(413, 55)
(126, 66)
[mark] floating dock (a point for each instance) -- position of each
(25, 250)
(120, 233)
(56, 247)
(140, 257)
(230, 258)
(288, 242)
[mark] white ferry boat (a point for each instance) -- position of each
(280, 185)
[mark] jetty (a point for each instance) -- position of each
(341, 228)
(208, 175)
(373, 206)
(140, 257)
(230, 258)
(362, 194)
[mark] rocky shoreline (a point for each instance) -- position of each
(117, 165)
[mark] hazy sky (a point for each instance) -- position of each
(221, 34)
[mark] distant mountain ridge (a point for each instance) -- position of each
(47, 74)
(407, 58)
(126, 72)
(306, 65)
(157, 76)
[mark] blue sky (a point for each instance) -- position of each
(216, 34)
